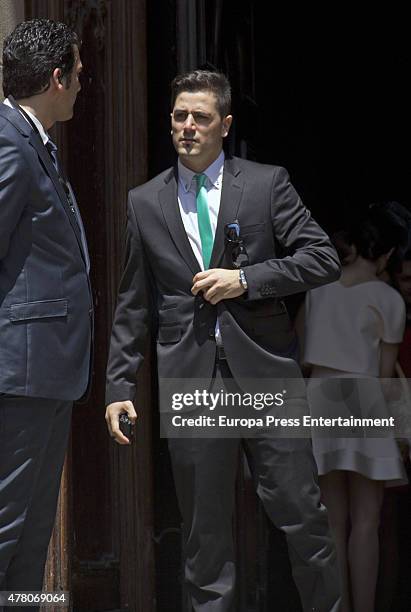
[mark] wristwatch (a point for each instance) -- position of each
(242, 279)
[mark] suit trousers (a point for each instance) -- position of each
(33, 442)
(285, 476)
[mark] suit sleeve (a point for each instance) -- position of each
(130, 326)
(14, 190)
(310, 259)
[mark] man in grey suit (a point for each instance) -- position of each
(45, 296)
(188, 231)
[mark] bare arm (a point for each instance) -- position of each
(388, 357)
(299, 326)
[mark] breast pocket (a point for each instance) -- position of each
(255, 228)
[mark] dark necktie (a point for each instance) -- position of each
(52, 150)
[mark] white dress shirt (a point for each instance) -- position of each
(187, 201)
(44, 136)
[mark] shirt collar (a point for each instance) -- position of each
(214, 173)
(44, 136)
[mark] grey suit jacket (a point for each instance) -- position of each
(45, 297)
(288, 253)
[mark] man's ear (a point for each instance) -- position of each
(227, 121)
(56, 78)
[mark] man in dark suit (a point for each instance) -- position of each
(45, 296)
(189, 229)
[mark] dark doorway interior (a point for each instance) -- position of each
(328, 97)
(332, 94)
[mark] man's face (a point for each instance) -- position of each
(68, 94)
(198, 129)
(403, 279)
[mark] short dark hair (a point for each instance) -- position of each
(385, 226)
(32, 52)
(204, 80)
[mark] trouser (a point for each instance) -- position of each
(33, 442)
(286, 482)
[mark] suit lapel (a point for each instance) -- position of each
(18, 121)
(231, 193)
(38, 145)
(169, 204)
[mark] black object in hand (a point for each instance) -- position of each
(126, 426)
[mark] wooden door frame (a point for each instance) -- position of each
(114, 41)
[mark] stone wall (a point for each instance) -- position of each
(11, 13)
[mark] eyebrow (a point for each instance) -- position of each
(194, 110)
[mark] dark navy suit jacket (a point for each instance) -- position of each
(45, 298)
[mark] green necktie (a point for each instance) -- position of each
(203, 218)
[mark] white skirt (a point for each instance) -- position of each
(332, 393)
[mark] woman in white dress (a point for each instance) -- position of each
(352, 331)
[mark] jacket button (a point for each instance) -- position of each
(211, 332)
